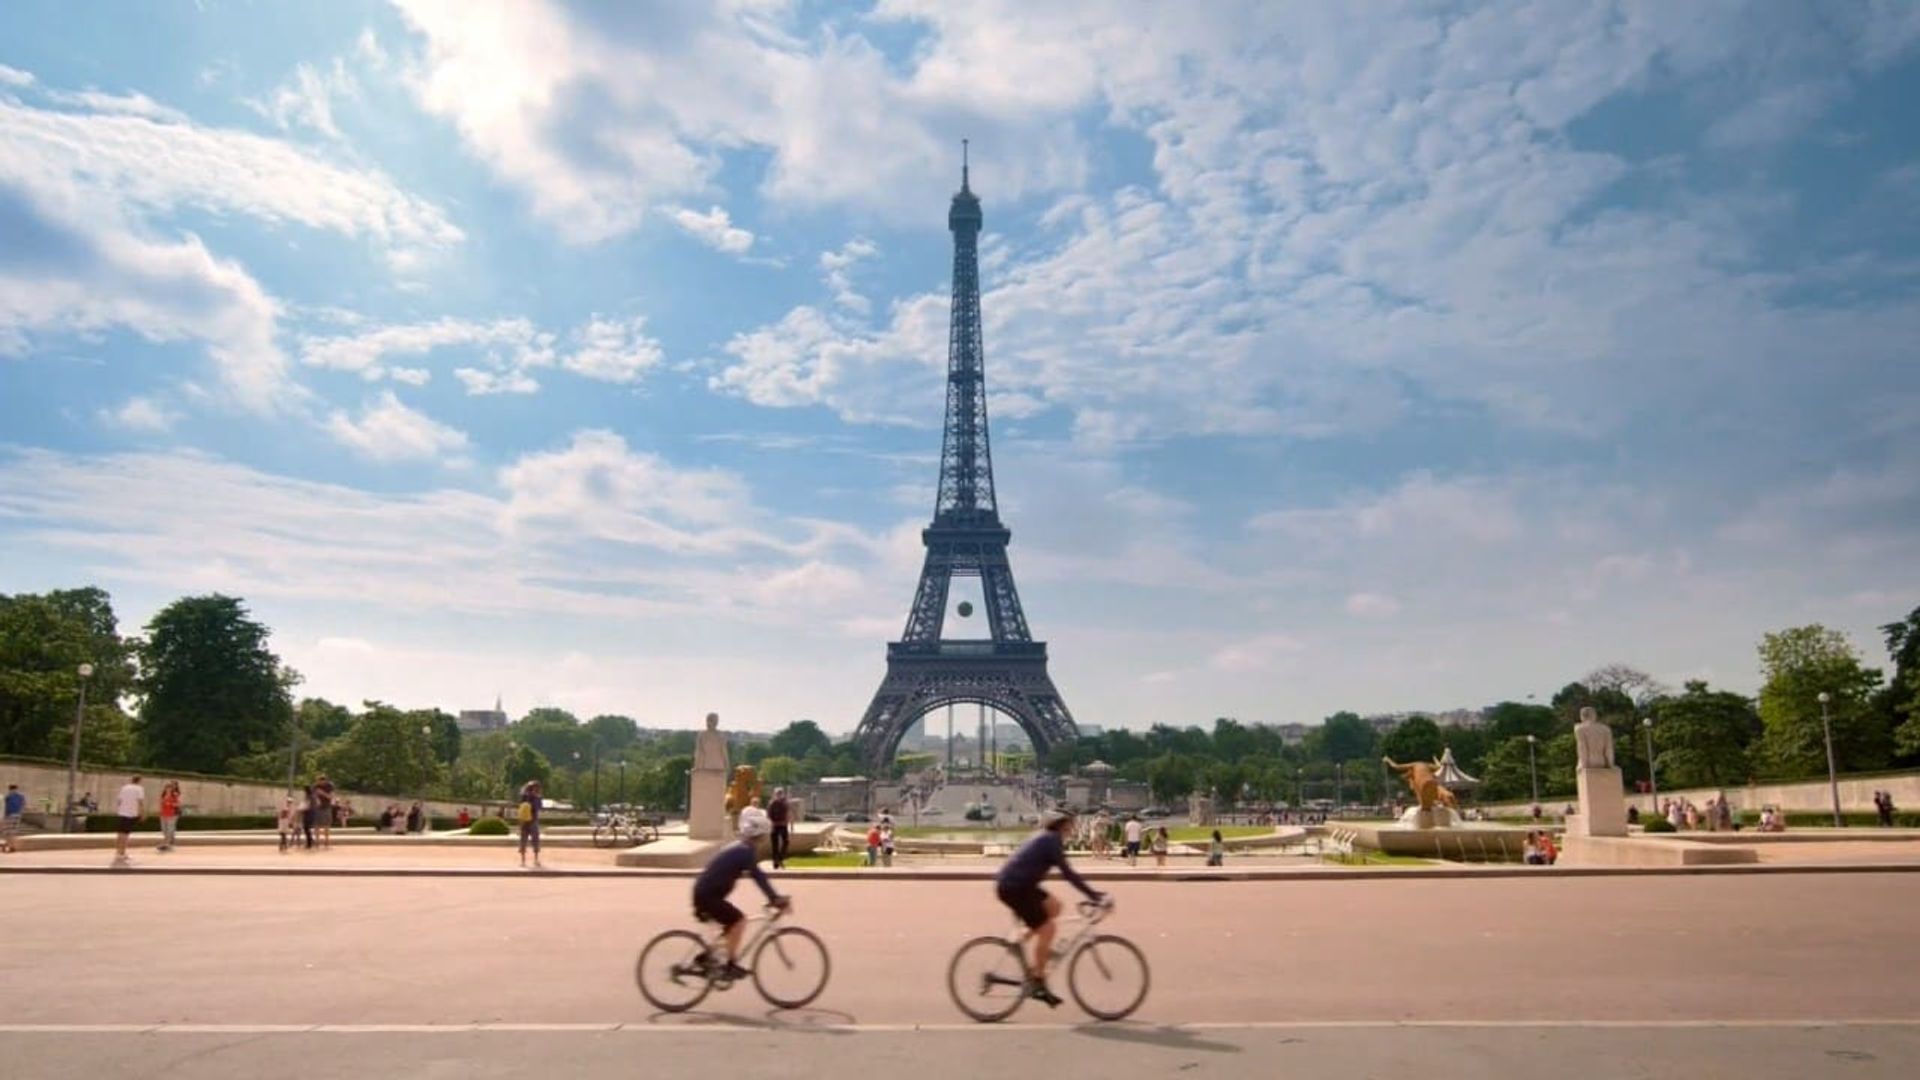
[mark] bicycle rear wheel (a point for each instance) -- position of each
(672, 971)
(605, 836)
(1108, 977)
(987, 979)
(790, 967)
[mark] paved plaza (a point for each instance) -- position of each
(1778, 974)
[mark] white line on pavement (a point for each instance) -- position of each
(699, 1025)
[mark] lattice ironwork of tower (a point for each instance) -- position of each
(1007, 670)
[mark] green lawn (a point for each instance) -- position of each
(950, 832)
(1376, 858)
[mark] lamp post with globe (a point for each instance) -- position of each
(85, 671)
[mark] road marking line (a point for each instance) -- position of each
(724, 1026)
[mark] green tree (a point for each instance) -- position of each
(1416, 738)
(384, 752)
(779, 769)
(1899, 703)
(801, 738)
(1513, 719)
(320, 719)
(613, 732)
(1505, 773)
(524, 763)
(212, 689)
(43, 641)
(1171, 776)
(1346, 737)
(1701, 737)
(556, 733)
(1798, 665)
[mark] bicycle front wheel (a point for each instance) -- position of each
(672, 971)
(790, 968)
(987, 979)
(605, 836)
(1108, 977)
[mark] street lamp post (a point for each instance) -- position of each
(426, 806)
(623, 781)
(1299, 791)
(596, 774)
(1833, 777)
(1339, 786)
(1653, 778)
(1533, 773)
(85, 672)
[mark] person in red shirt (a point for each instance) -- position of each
(873, 845)
(169, 814)
(465, 819)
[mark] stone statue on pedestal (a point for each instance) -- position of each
(707, 790)
(1603, 801)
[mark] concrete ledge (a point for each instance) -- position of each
(1477, 844)
(1585, 851)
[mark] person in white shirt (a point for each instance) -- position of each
(130, 806)
(1133, 840)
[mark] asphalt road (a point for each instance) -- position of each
(1637, 976)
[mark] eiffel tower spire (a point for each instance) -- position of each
(1007, 670)
(966, 461)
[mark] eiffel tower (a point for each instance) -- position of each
(1006, 671)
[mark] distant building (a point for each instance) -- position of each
(472, 720)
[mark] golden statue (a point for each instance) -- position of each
(1425, 783)
(743, 792)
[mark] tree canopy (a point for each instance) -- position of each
(212, 689)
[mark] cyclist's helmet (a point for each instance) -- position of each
(754, 823)
(1052, 819)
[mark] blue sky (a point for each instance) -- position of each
(1407, 356)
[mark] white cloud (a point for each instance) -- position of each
(12, 76)
(388, 430)
(1256, 654)
(838, 267)
(713, 228)
(479, 382)
(613, 350)
(141, 414)
(1370, 605)
(306, 98)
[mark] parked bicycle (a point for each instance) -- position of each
(1106, 973)
(789, 965)
(610, 829)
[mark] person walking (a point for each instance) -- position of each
(777, 813)
(309, 815)
(1133, 839)
(1217, 850)
(288, 815)
(873, 845)
(1160, 844)
(169, 814)
(886, 842)
(130, 805)
(530, 821)
(416, 819)
(323, 813)
(15, 808)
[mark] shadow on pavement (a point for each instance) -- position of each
(1171, 1038)
(804, 1021)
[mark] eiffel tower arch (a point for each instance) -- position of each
(1007, 670)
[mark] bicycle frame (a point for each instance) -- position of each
(717, 940)
(1089, 916)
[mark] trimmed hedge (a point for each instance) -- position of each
(489, 826)
(1657, 824)
(106, 823)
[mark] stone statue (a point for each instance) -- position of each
(1602, 798)
(710, 746)
(707, 815)
(1425, 784)
(1593, 740)
(744, 792)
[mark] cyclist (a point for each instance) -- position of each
(1018, 886)
(727, 867)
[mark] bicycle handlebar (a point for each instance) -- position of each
(1097, 909)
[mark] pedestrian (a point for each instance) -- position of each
(873, 845)
(288, 814)
(1133, 839)
(530, 821)
(130, 805)
(416, 819)
(1885, 807)
(777, 813)
(1531, 852)
(323, 813)
(1217, 850)
(1549, 852)
(169, 814)
(1160, 844)
(384, 823)
(886, 842)
(309, 809)
(16, 806)
(465, 819)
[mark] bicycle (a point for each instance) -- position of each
(639, 829)
(1106, 973)
(679, 968)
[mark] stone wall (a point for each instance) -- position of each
(45, 787)
(1856, 795)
